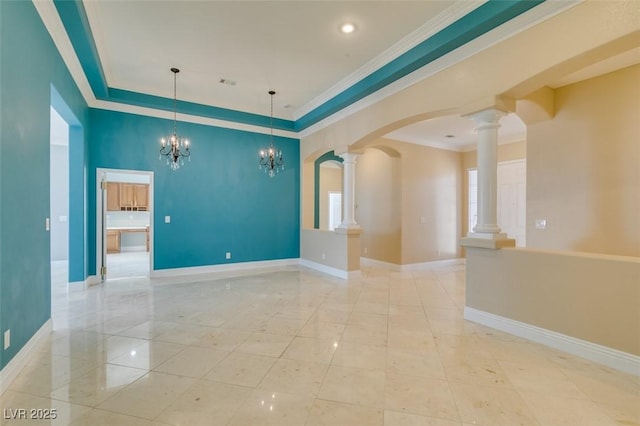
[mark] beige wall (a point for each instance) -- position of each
(583, 168)
(507, 152)
(307, 188)
(336, 250)
(330, 181)
(378, 205)
(429, 195)
(513, 67)
(586, 296)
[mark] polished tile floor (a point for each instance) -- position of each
(290, 346)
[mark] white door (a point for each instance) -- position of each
(512, 199)
(335, 210)
(512, 177)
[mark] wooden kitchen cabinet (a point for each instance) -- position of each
(127, 196)
(141, 196)
(113, 241)
(113, 196)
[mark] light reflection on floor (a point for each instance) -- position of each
(290, 346)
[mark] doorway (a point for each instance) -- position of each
(124, 225)
(335, 210)
(59, 204)
(511, 199)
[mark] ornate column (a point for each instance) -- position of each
(487, 227)
(349, 191)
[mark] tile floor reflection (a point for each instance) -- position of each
(290, 346)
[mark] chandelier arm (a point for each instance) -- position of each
(174, 148)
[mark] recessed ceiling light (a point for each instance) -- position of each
(347, 28)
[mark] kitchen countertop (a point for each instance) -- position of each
(127, 228)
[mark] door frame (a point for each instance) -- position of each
(101, 244)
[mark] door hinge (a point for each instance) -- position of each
(103, 185)
(103, 270)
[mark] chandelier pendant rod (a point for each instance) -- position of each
(175, 102)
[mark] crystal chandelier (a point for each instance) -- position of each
(174, 148)
(271, 158)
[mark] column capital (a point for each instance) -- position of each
(349, 157)
(487, 118)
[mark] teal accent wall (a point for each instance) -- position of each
(75, 21)
(76, 24)
(478, 22)
(218, 202)
(483, 19)
(327, 156)
(29, 66)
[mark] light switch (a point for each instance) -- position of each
(541, 224)
(167, 219)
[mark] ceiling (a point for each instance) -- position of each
(293, 47)
(231, 53)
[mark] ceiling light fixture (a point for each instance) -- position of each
(271, 158)
(175, 148)
(347, 28)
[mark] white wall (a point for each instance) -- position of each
(59, 187)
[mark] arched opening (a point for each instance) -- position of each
(327, 192)
(379, 204)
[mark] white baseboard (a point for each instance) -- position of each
(345, 275)
(613, 358)
(9, 373)
(432, 264)
(379, 263)
(413, 266)
(239, 266)
(83, 285)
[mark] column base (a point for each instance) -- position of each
(489, 241)
(349, 230)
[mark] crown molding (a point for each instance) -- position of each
(510, 28)
(431, 27)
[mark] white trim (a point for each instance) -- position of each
(374, 262)
(413, 266)
(168, 115)
(10, 371)
(93, 280)
(439, 22)
(345, 275)
(99, 210)
(546, 10)
(610, 357)
(515, 26)
(208, 269)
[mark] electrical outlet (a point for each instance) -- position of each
(167, 219)
(228, 255)
(541, 224)
(7, 339)
(366, 250)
